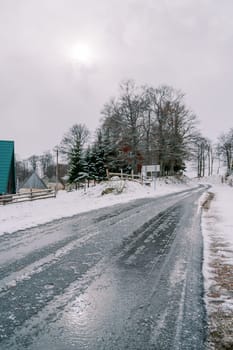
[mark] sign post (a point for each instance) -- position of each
(152, 169)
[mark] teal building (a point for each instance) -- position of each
(7, 167)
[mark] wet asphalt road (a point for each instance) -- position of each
(122, 277)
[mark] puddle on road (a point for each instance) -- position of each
(97, 317)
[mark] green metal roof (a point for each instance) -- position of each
(7, 167)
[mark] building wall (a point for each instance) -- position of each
(7, 167)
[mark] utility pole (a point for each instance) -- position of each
(56, 189)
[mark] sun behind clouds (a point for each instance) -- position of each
(82, 53)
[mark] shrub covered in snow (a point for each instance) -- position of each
(115, 185)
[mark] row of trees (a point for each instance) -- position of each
(152, 122)
(204, 157)
(142, 125)
(85, 161)
(92, 161)
(221, 152)
(225, 149)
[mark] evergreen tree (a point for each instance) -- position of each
(96, 164)
(93, 167)
(77, 164)
(71, 147)
(99, 154)
(89, 166)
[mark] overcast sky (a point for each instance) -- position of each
(61, 60)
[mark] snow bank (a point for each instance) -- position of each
(217, 228)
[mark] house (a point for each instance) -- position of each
(7, 167)
(33, 182)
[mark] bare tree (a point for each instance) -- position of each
(131, 107)
(225, 146)
(152, 122)
(174, 129)
(78, 134)
(46, 161)
(204, 156)
(112, 121)
(33, 160)
(123, 116)
(22, 171)
(210, 157)
(147, 122)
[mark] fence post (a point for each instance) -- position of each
(121, 174)
(132, 174)
(31, 194)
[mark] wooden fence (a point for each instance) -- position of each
(143, 180)
(30, 195)
(122, 176)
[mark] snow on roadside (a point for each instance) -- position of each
(217, 228)
(20, 216)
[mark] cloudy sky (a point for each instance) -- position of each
(61, 60)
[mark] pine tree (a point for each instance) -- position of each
(88, 165)
(97, 165)
(77, 165)
(100, 157)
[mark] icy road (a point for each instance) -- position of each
(123, 277)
